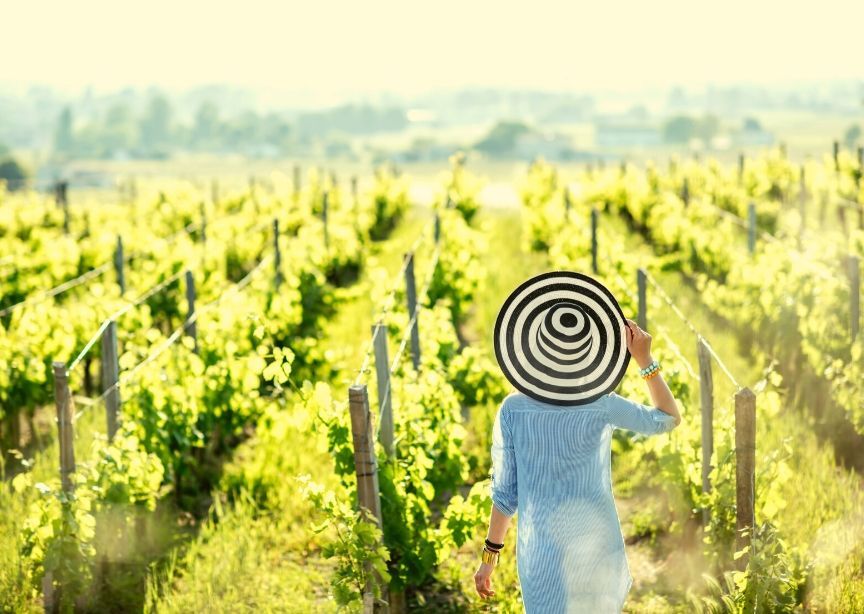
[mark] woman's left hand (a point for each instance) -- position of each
(483, 580)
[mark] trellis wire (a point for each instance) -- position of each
(397, 358)
(388, 303)
(127, 375)
(123, 310)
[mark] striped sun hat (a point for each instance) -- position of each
(560, 338)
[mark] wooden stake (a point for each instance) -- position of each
(65, 407)
(567, 204)
(191, 327)
(110, 376)
(382, 371)
(837, 156)
(203, 210)
(366, 467)
(277, 260)
(854, 295)
(437, 227)
(745, 469)
(411, 296)
(118, 265)
(324, 215)
(706, 394)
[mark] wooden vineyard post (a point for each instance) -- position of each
(706, 393)
(118, 265)
(366, 468)
(854, 296)
(740, 168)
(277, 260)
(594, 214)
(802, 207)
(61, 197)
(437, 227)
(324, 214)
(685, 192)
(296, 180)
(110, 376)
(837, 156)
(203, 209)
(745, 469)
(751, 227)
(641, 287)
(214, 193)
(191, 327)
(382, 371)
(567, 204)
(64, 404)
(411, 296)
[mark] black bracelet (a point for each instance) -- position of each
(493, 545)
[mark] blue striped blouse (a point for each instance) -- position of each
(569, 548)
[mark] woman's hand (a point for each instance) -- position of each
(639, 343)
(483, 580)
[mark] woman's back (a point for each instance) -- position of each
(570, 550)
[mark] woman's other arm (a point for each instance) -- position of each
(639, 344)
(503, 491)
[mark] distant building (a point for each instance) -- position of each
(626, 135)
(549, 146)
(754, 138)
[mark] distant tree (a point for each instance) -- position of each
(853, 133)
(679, 129)
(64, 139)
(13, 173)
(501, 139)
(119, 130)
(751, 124)
(155, 125)
(205, 132)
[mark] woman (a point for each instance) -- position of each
(570, 549)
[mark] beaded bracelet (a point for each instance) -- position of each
(651, 370)
(493, 545)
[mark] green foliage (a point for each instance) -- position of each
(389, 203)
(773, 580)
(461, 189)
(458, 273)
(359, 552)
(58, 533)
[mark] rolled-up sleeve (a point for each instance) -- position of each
(503, 484)
(625, 413)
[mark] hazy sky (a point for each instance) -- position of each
(328, 49)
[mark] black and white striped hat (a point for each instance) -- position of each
(560, 338)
